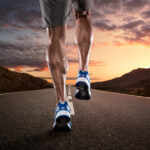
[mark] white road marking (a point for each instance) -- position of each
(70, 102)
(72, 108)
(69, 91)
(69, 97)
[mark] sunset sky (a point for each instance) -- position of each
(121, 38)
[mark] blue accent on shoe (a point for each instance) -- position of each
(62, 120)
(83, 86)
(84, 74)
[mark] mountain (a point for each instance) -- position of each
(11, 81)
(135, 82)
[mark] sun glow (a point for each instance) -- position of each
(148, 67)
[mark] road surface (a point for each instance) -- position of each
(109, 121)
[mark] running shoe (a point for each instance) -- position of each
(62, 120)
(83, 86)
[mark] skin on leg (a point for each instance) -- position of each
(57, 61)
(84, 37)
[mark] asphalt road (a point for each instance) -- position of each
(109, 121)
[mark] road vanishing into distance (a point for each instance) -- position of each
(109, 121)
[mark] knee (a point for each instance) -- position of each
(56, 34)
(59, 34)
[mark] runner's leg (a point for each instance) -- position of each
(84, 34)
(57, 61)
(84, 38)
(54, 17)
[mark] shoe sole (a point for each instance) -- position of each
(62, 124)
(83, 91)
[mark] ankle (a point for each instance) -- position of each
(60, 101)
(84, 70)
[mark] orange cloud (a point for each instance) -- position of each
(18, 68)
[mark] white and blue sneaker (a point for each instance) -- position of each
(83, 86)
(62, 120)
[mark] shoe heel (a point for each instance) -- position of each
(83, 91)
(81, 86)
(63, 119)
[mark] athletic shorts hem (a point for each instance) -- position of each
(53, 25)
(56, 12)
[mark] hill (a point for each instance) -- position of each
(136, 82)
(11, 81)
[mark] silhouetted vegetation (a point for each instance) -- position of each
(136, 82)
(11, 81)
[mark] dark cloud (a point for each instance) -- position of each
(104, 26)
(134, 5)
(23, 37)
(22, 54)
(108, 4)
(96, 14)
(143, 33)
(146, 14)
(129, 19)
(103, 8)
(133, 25)
(29, 54)
(20, 14)
(137, 31)
(138, 35)
(105, 15)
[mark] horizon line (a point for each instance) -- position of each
(69, 78)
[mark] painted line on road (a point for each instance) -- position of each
(70, 102)
(69, 91)
(72, 108)
(70, 97)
